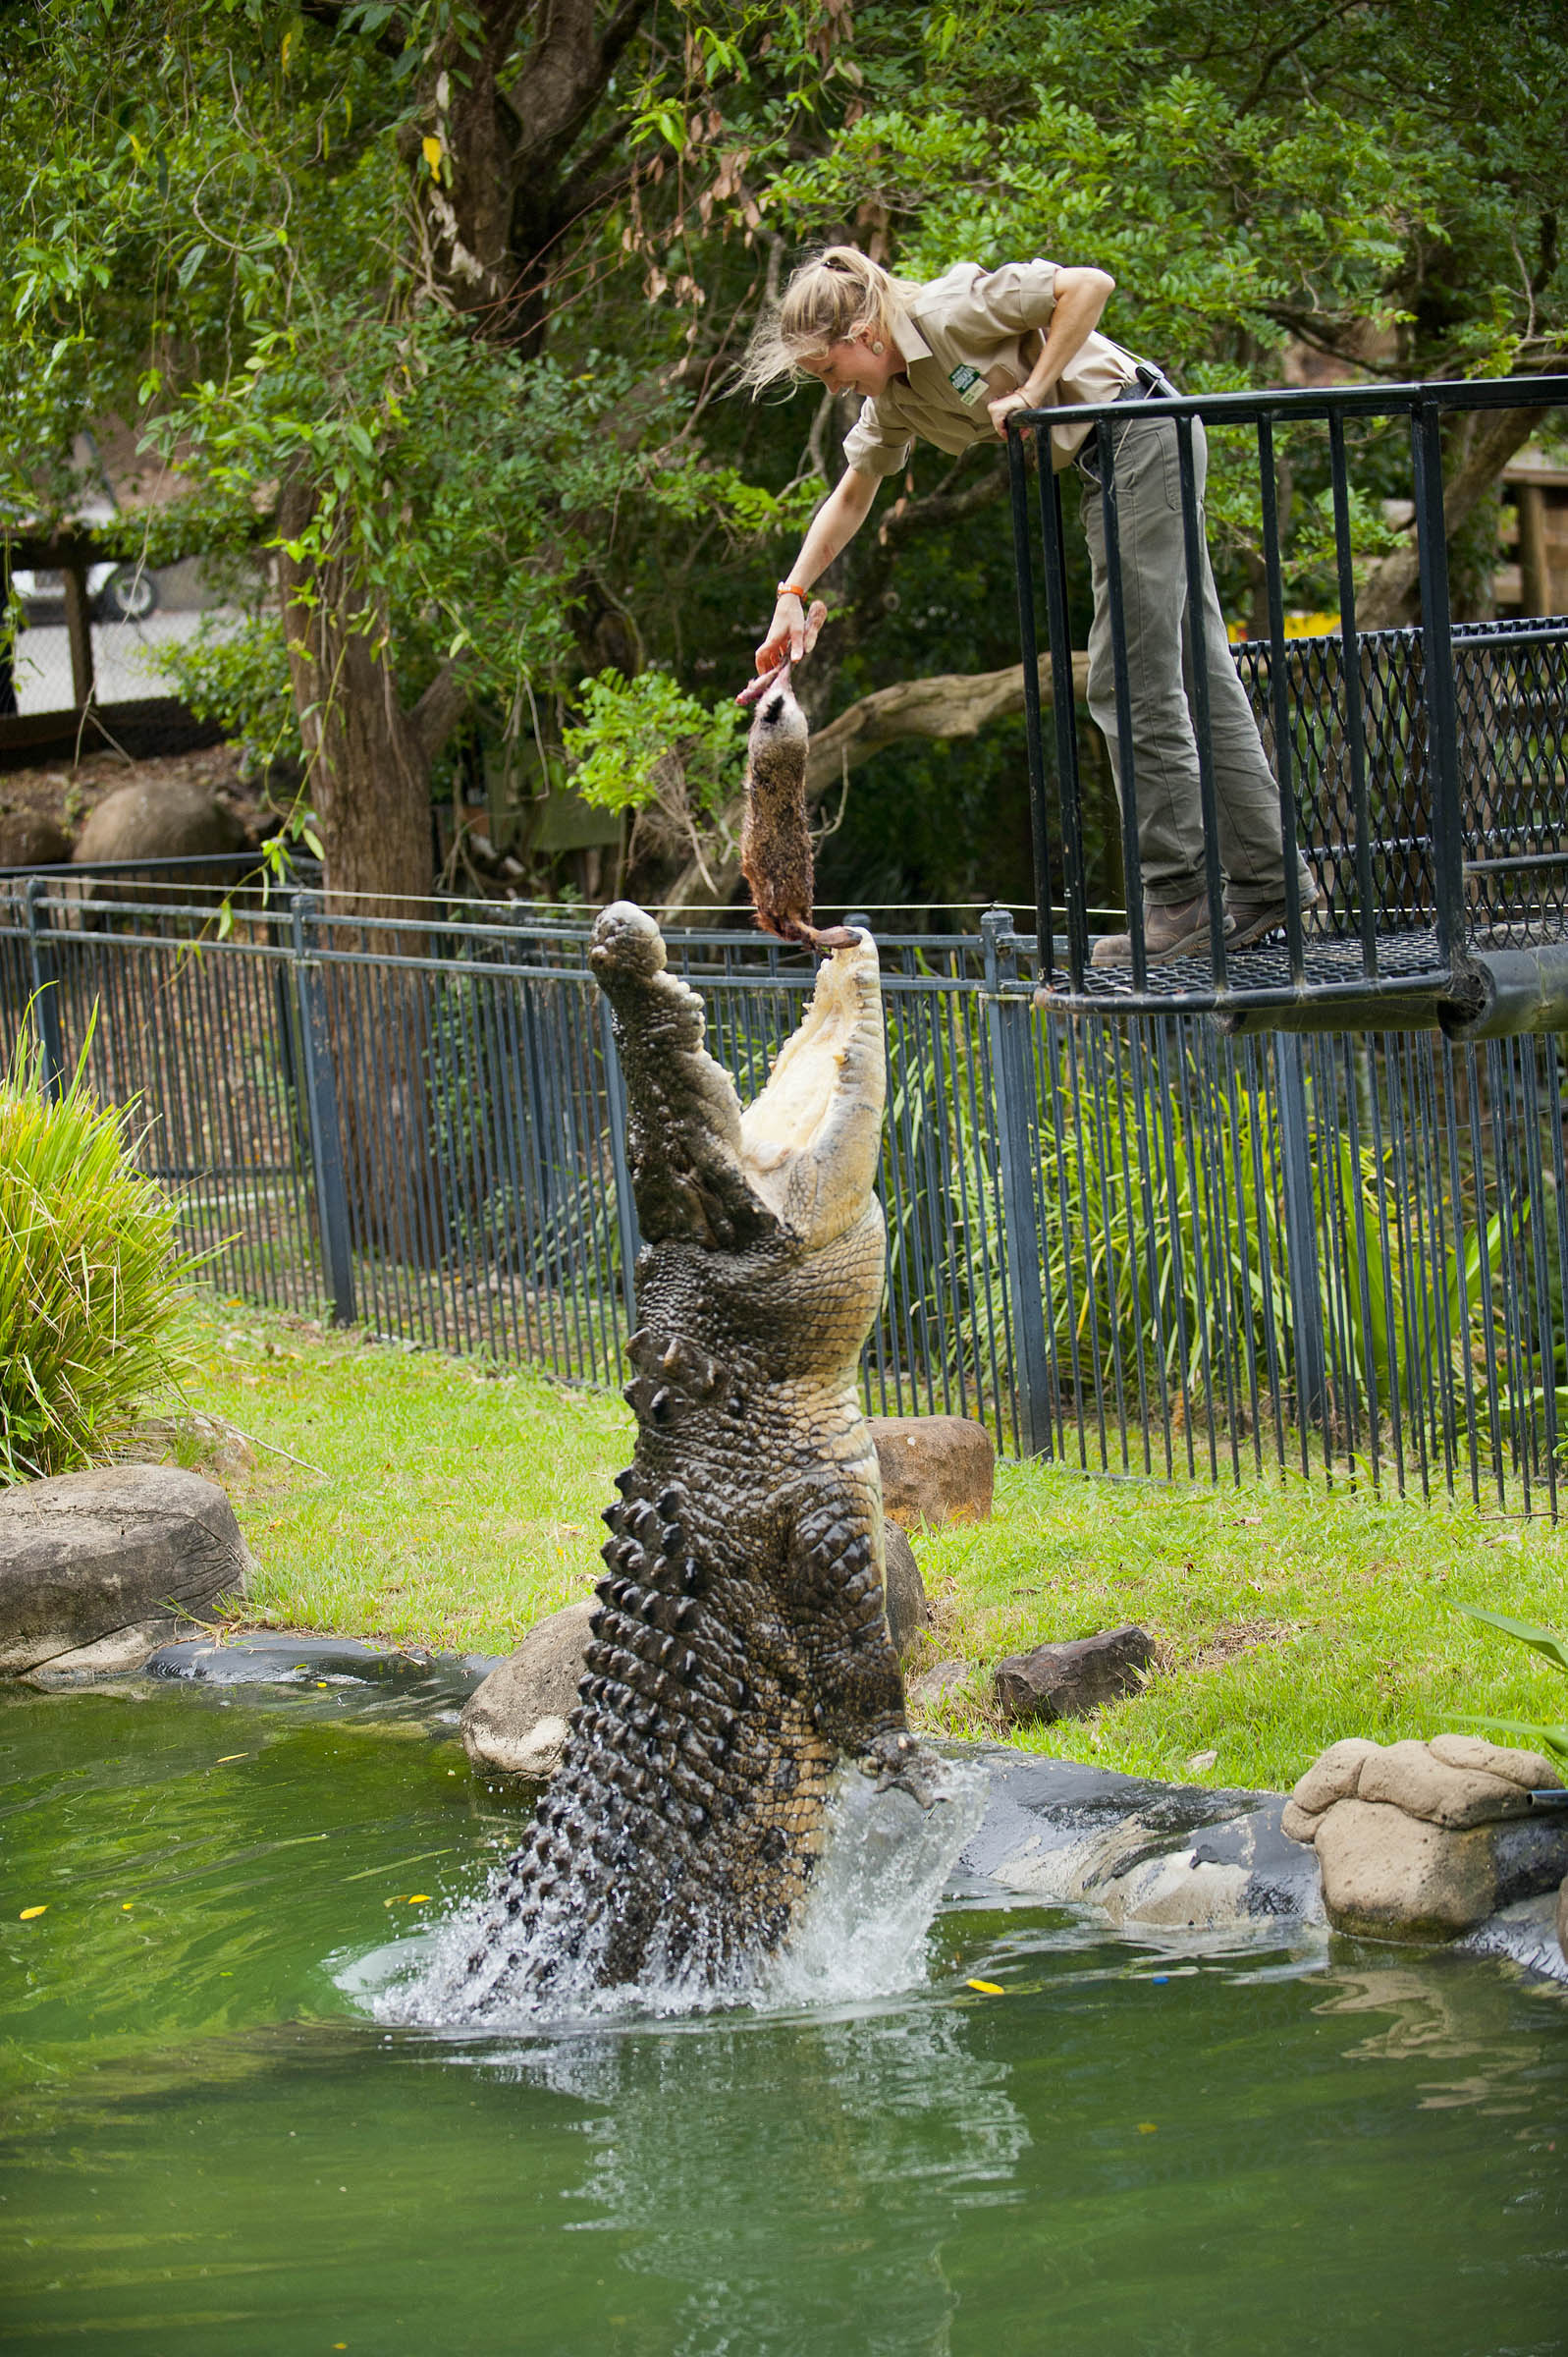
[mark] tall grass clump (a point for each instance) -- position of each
(89, 1277)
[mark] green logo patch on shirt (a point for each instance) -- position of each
(963, 379)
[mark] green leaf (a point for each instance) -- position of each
(1523, 1633)
(193, 263)
(1553, 1738)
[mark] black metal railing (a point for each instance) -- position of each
(1421, 773)
(1147, 1247)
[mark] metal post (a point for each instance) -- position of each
(45, 990)
(626, 1200)
(1301, 1227)
(321, 1105)
(1034, 742)
(1011, 1024)
(1437, 682)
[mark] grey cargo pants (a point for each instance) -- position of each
(1154, 590)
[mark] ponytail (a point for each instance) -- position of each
(829, 298)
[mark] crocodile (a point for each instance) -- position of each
(739, 1658)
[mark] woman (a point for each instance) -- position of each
(948, 362)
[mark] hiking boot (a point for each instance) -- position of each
(1252, 916)
(1171, 929)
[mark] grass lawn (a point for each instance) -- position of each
(402, 1495)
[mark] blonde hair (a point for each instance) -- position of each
(830, 298)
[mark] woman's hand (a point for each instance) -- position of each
(1001, 409)
(791, 634)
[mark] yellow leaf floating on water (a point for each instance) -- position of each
(27, 1913)
(230, 1755)
(987, 1988)
(1148, 2127)
(418, 1898)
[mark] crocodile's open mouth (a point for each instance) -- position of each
(810, 1143)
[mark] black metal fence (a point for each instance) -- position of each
(1144, 1247)
(1421, 773)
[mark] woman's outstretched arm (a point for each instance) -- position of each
(833, 528)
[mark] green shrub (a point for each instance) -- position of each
(89, 1273)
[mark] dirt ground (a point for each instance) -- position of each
(65, 792)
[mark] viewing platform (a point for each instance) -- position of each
(1422, 771)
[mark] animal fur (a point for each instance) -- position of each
(776, 834)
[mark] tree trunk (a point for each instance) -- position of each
(367, 775)
(367, 778)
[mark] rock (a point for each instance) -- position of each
(99, 1570)
(1394, 1877)
(1202, 1761)
(1335, 1775)
(908, 1610)
(1424, 1841)
(1068, 1681)
(1532, 1769)
(28, 839)
(1408, 1777)
(935, 1684)
(175, 819)
(935, 1469)
(1389, 1875)
(1562, 1918)
(515, 1721)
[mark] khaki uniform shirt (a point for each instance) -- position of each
(966, 337)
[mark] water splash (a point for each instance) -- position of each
(860, 1934)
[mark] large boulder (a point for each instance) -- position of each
(99, 1570)
(1423, 1840)
(28, 839)
(174, 819)
(934, 1469)
(1068, 1681)
(516, 1720)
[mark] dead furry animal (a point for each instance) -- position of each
(775, 836)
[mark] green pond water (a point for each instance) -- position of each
(209, 2144)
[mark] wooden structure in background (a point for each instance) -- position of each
(1533, 527)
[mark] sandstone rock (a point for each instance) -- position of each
(1407, 1776)
(1298, 1824)
(99, 1570)
(1394, 1877)
(173, 820)
(1531, 1769)
(1068, 1681)
(908, 1611)
(28, 839)
(516, 1720)
(1334, 1776)
(935, 1684)
(935, 1469)
(1389, 1875)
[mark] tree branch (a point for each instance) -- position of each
(439, 710)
